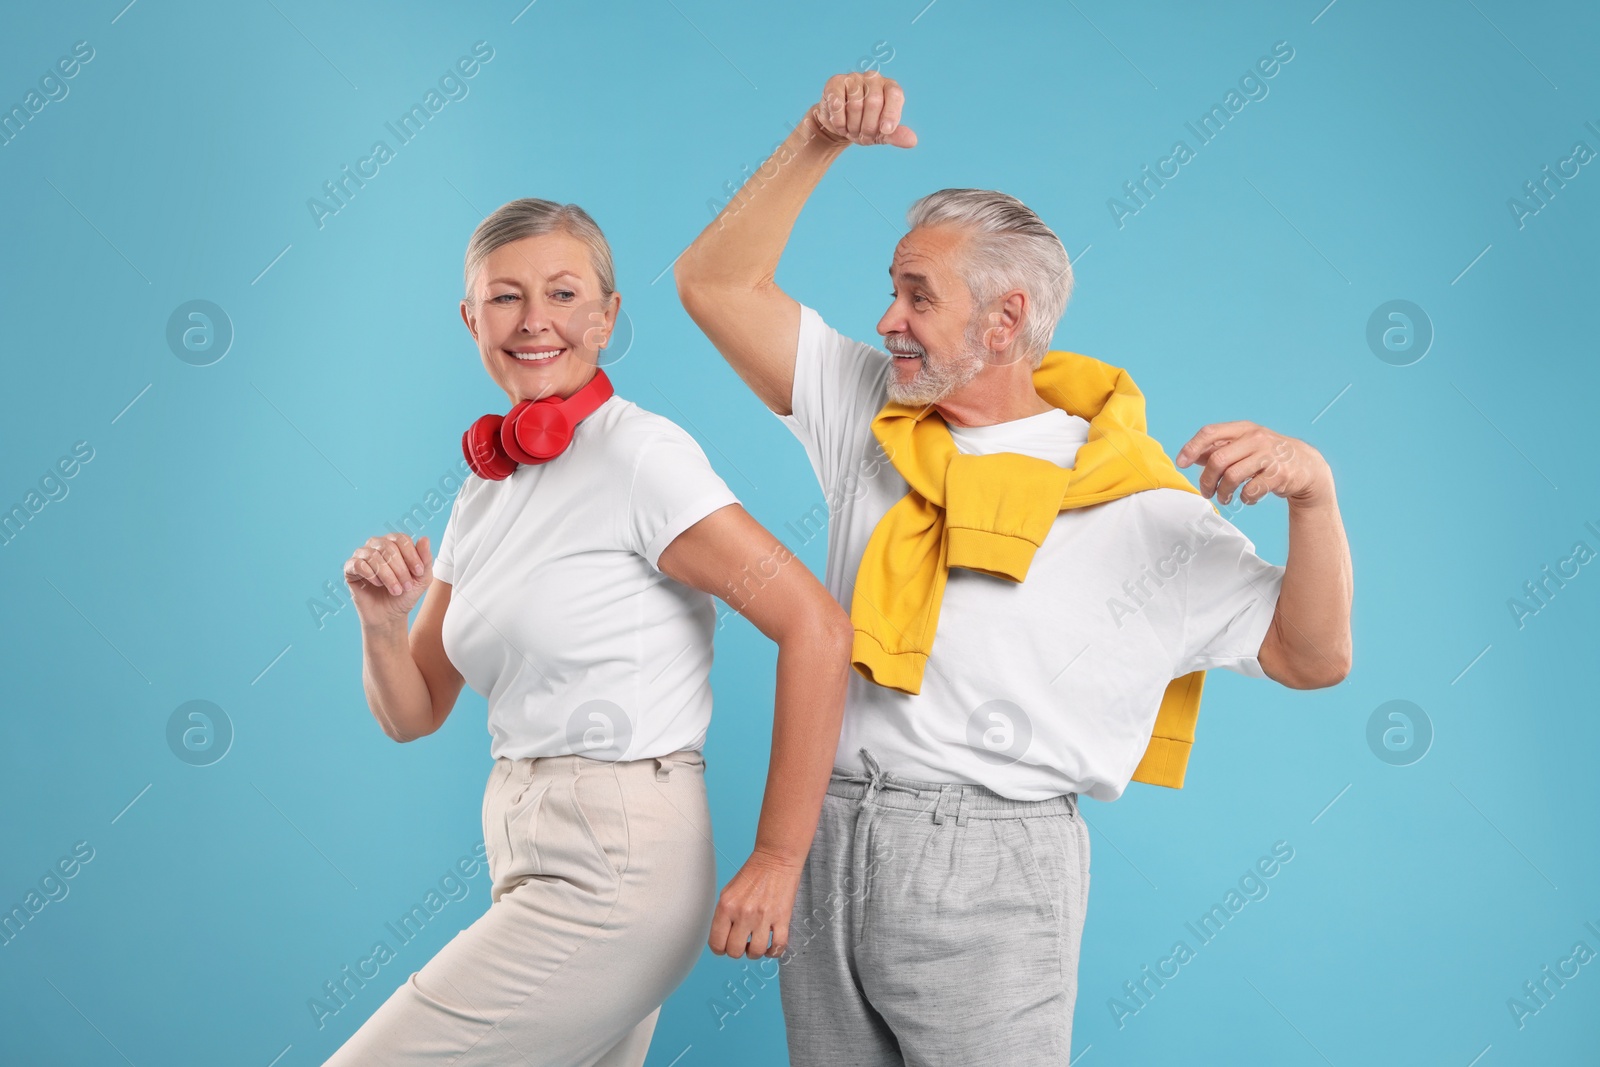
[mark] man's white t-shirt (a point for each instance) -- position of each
(1050, 685)
(558, 612)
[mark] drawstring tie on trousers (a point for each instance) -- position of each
(952, 798)
(877, 779)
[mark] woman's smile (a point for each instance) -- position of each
(536, 356)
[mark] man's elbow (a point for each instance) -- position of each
(693, 292)
(1319, 669)
(1325, 681)
(702, 288)
(683, 276)
(690, 276)
(1323, 674)
(1341, 670)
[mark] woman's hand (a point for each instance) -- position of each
(756, 902)
(387, 576)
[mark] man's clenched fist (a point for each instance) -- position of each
(862, 108)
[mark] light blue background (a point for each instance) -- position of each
(181, 563)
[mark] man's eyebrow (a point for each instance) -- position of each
(910, 276)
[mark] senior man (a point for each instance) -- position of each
(1036, 590)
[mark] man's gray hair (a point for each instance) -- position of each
(531, 217)
(1008, 247)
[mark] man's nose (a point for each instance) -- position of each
(893, 321)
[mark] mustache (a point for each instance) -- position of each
(903, 346)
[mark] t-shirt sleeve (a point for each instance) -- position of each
(1232, 594)
(673, 487)
(839, 385)
(444, 551)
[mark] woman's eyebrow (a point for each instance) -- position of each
(514, 281)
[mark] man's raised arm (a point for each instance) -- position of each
(725, 278)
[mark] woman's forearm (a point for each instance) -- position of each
(396, 691)
(812, 674)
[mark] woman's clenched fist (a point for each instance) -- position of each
(387, 576)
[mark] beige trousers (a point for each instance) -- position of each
(603, 883)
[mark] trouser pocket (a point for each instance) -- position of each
(600, 804)
(1050, 847)
(496, 846)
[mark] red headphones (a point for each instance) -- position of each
(534, 431)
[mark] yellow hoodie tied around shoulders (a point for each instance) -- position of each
(990, 513)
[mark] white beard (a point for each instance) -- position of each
(935, 381)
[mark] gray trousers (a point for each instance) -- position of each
(936, 925)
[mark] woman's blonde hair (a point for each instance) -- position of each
(531, 217)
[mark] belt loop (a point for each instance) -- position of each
(663, 769)
(1072, 799)
(940, 808)
(961, 811)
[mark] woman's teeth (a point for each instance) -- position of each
(536, 357)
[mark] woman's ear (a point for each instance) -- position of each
(613, 308)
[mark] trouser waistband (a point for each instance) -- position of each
(962, 801)
(572, 764)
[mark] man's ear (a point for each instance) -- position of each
(1015, 305)
(1005, 323)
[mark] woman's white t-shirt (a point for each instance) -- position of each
(558, 612)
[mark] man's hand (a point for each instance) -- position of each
(756, 902)
(862, 109)
(1234, 452)
(1308, 644)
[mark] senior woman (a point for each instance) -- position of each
(571, 588)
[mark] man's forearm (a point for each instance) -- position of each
(1313, 615)
(742, 245)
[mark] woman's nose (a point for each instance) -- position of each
(535, 319)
